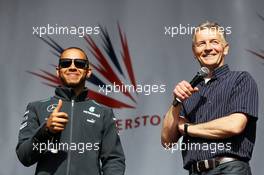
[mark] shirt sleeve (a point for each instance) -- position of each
(183, 112)
(112, 155)
(244, 96)
(31, 135)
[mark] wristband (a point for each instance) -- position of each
(185, 130)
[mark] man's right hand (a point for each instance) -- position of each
(57, 120)
(184, 90)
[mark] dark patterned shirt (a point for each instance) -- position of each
(227, 92)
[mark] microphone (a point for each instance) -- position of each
(204, 71)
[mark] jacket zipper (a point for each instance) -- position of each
(71, 129)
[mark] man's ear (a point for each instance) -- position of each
(226, 49)
(57, 72)
(194, 56)
(89, 72)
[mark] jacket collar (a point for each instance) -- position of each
(68, 94)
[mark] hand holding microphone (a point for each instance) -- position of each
(57, 120)
(184, 90)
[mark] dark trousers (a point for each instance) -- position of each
(230, 168)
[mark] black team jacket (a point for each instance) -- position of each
(89, 145)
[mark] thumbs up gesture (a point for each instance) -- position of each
(57, 120)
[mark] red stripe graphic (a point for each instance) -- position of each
(126, 57)
(105, 69)
(47, 76)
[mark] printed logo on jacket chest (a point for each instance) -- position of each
(91, 111)
(51, 107)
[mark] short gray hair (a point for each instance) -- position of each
(210, 25)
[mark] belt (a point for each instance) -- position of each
(205, 165)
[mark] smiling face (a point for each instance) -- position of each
(210, 48)
(71, 76)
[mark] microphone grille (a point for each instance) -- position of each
(204, 71)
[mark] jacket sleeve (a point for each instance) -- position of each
(112, 155)
(32, 138)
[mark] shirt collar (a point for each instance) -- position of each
(220, 71)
